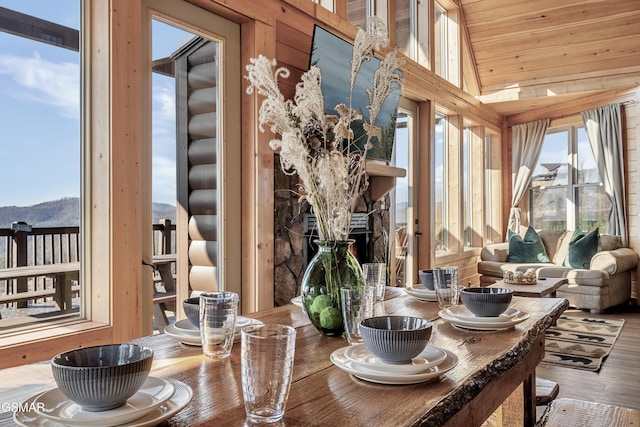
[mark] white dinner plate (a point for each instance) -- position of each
(183, 337)
(181, 397)
(185, 326)
(189, 338)
(421, 293)
(339, 359)
(297, 301)
(361, 356)
(462, 313)
(53, 404)
(242, 321)
(484, 326)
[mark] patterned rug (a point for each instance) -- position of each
(580, 342)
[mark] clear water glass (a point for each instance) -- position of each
(357, 304)
(375, 274)
(445, 280)
(218, 313)
(266, 365)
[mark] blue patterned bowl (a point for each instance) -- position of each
(395, 339)
(486, 302)
(191, 308)
(426, 277)
(102, 377)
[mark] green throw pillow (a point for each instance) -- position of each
(582, 247)
(527, 249)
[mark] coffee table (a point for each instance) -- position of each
(543, 288)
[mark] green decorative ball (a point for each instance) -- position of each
(330, 318)
(320, 303)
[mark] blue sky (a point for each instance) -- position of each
(39, 111)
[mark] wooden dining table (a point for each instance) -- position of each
(493, 380)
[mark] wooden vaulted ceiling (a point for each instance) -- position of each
(530, 54)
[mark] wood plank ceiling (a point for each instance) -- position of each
(531, 54)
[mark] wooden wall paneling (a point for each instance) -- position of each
(421, 84)
(239, 11)
(129, 303)
(507, 187)
(340, 8)
(424, 181)
(477, 166)
(293, 46)
(574, 107)
(453, 180)
(497, 185)
(469, 72)
(257, 183)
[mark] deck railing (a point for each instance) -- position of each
(26, 252)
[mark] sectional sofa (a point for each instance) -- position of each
(605, 283)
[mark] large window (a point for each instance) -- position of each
(40, 107)
(566, 190)
(412, 30)
(446, 45)
(359, 10)
(492, 188)
(113, 157)
(441, 186)
(466, 190)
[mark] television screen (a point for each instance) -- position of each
(333, 56)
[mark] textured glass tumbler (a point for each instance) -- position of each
(218, 312)
(375, 274)
(357, 304)
(445, 281)
(267, 366)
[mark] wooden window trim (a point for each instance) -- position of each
(111, 273)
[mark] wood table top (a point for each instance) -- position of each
(543, 287)
(324, 395)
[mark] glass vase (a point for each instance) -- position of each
(333, 267)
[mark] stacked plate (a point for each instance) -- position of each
(421, 293)
(157, 400)
(460, 316)
(297, 301)
(361, 363)
(188, 334)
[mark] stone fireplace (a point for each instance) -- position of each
(294, 235)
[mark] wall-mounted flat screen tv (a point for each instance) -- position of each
(333, 56)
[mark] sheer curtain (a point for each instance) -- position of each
(527, 143)
(604, 129)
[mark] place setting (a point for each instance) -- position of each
(393, 350)
(425, 290)
(187, 331)
(104, 386)
(484, 309)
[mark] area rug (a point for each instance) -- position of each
(581, 342)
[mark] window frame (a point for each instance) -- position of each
(446, 43)
(115, 186)
(572, 185)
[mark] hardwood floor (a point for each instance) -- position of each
(618, 381)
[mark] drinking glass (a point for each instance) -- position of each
(445, 281)
(267, 366)
(218, 312)
(357, 304)
(375, 274)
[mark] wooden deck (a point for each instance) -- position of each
(40, 273)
